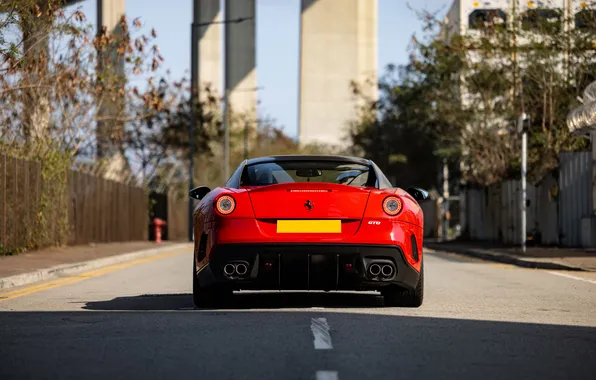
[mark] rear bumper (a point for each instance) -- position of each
(301, 266)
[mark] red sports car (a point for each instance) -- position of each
(308, 223)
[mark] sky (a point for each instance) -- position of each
(277, 43)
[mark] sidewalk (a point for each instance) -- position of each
(30, 267)
(535, 257)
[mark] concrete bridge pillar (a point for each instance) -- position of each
(338, 44)
(209, 53)
(111, 69)
(240, 58)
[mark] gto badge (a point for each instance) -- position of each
(309, 205)
(375, 223)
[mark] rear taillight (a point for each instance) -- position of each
(392, 205)
(225, 204)
(309, 190)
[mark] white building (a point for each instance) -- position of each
(471, 17)
(468, 16)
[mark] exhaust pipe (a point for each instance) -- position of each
(374, 269)
(229, 269)
(241, 269)
(387, 270)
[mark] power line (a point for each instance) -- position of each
(231, 21)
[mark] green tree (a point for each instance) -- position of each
(458, 99)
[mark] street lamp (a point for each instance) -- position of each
(194, 92)
(522, 128)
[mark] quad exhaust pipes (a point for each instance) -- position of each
(374, 270)
(229, 269)
(381, 270)
(239, 269)
(387, 270)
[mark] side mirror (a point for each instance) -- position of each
(417, 193)
(199, 192)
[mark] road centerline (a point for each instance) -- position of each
(321, 334)
(327, 375)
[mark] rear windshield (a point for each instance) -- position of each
(307, 171)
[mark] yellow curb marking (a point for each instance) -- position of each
(83, 276)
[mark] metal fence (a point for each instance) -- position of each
(556, 206)
(86, 209)
(575, 186)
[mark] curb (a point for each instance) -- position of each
(74, 268)
(505, 258)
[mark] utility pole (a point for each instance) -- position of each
(445, 200)
(523, 130)
(194, 92)
(226, 125)
(226, 122)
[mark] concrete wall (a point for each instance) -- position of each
(338, 44)
(240, 61)
(453, 24)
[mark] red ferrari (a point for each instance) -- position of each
(308, 223)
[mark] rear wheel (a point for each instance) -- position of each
(395, 296)
(210, 297)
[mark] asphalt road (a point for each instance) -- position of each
(479, 321)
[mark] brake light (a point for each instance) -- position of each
(225, 204)
(308, 191)
(392, 205)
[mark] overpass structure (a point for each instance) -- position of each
(338, 44)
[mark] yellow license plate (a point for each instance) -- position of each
(308, 226)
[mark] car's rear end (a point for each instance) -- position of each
(299, 224)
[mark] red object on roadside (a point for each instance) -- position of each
(158, 224)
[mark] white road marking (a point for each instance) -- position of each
(320, 331)
(317, 308)
(327, 375)
(573, 277)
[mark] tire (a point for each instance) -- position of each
(395, 296)
(196, 289)
(211, 297)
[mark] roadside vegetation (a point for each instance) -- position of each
(500, 69)
(59, 92)
(102, 103)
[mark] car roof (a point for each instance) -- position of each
(309, 157)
